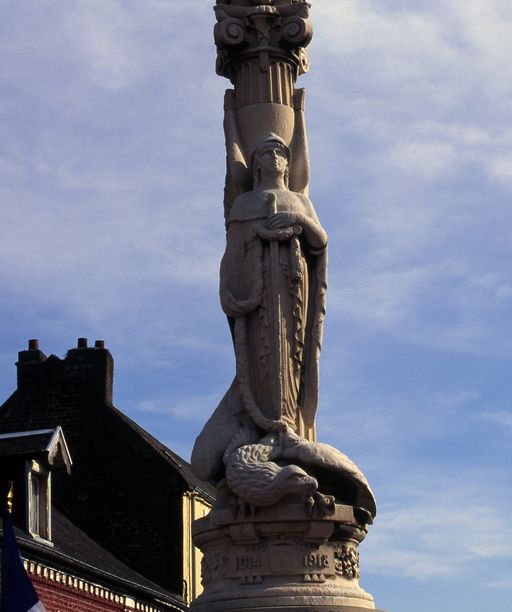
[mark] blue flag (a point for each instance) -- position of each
(18, 594)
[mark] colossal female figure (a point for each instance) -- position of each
(273, 284)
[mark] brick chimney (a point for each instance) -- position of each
(86, 371)
(30, 370)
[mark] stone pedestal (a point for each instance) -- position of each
(286, 557)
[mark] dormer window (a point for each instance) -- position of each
(38, 501)
(27, 458)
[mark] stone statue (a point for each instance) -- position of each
(273, 278)
(273, 281)
(290, 511)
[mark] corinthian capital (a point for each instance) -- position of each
(261, 32)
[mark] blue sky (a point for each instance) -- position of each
(111, 176)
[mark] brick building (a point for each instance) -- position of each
(121, 533)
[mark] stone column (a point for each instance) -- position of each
(290, 511)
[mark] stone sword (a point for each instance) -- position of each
(277, 382)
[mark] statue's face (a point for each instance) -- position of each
(273, 159)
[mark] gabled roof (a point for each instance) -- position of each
(206, 489)
(48, 444)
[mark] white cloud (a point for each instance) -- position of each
(195, 409)
(103, 34)
(502, 418)
(444, 303)
(429, 160)
(381, 297)
(399, 423)
(439, 529)
(500, 584)
(501, 169)
(407, 67)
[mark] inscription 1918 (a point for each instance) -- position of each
(316, 560)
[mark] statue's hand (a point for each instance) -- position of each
(284, 219)
(278, 232)
(297, 223)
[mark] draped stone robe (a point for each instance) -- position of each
(294, 329)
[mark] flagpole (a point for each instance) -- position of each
(18, 593)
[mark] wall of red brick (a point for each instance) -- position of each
(64, 598)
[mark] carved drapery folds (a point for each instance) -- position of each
(261, 48)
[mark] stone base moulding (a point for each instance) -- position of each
(282, 558)
(241, 607)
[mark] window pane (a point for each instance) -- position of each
(35, 504)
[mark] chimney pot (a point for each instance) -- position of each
(82, 343)
(99, 344)
(33, 344)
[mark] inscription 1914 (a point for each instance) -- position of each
(248, 563)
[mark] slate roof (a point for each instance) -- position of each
(25, 443)
(180, 465)
(77, 554)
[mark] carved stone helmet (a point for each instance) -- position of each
(270, 141)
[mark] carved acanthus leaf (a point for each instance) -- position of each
(265, 30)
